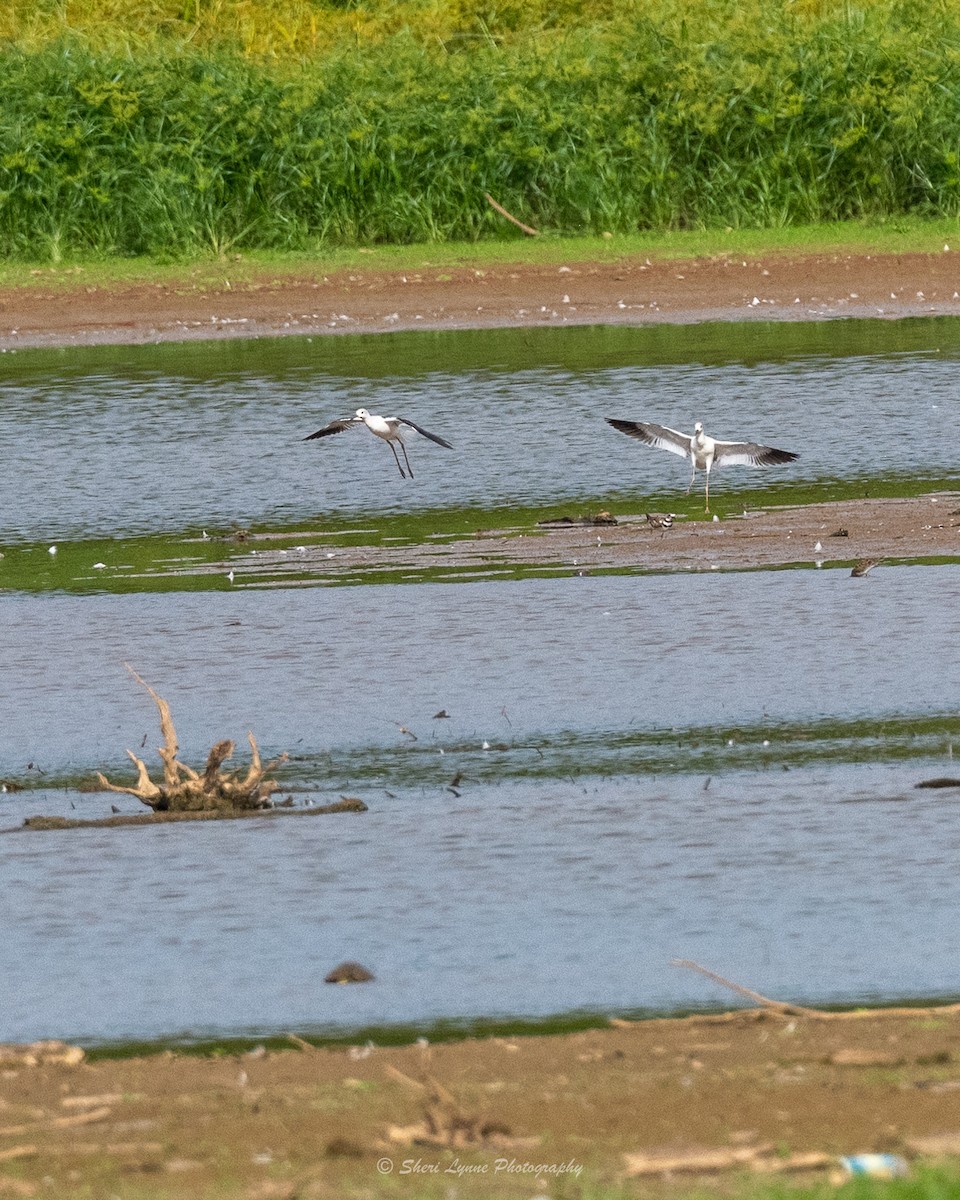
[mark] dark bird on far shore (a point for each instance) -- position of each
(704, 452)
(386, 428)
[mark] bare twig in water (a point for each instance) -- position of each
(763, 1001)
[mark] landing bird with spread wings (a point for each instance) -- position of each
(387, 428)
(703, 452)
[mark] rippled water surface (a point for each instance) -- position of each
(830, 884)
(711, 766)
(146, 439)
(553, 875)
(333, 669)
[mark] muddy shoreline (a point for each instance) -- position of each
(835, 534)
(632, 291)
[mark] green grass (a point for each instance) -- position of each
(267, 30)
(212, 272)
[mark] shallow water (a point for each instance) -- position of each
(160, 438)
(338, 669)
(710, 766)
(512, 899)
(562, 876)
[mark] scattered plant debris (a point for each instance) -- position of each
(600, 518)
(446, 1125)
(36, 1054)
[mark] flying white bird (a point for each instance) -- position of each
(387, 428)
(703, 452)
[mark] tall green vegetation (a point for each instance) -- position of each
(162, 139)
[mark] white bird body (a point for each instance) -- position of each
(704, 452)
(387, 428)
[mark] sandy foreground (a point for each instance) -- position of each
(651, 1107)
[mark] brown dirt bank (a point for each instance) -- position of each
(632, 292)
(337, 1122)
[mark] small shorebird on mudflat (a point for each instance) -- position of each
(386, 428)
(659, 520)
(704, 452)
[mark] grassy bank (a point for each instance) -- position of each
(164, 144)
(205, 268)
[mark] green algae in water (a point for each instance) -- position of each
(713, 750)
(195, 561)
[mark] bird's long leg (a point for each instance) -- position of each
(406, 460)
(706, 490)
(397, 457)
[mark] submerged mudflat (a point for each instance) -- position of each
(830, 534)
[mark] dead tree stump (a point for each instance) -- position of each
(185, 790)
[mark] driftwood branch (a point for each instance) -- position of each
(215, 760)
(762, 1159)
(510, 217)
(168, 751)
(185, 790)
(142, 789)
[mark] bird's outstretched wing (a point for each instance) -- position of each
(334, 427)
(423, 432)
(749, 454)
(655, 435)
